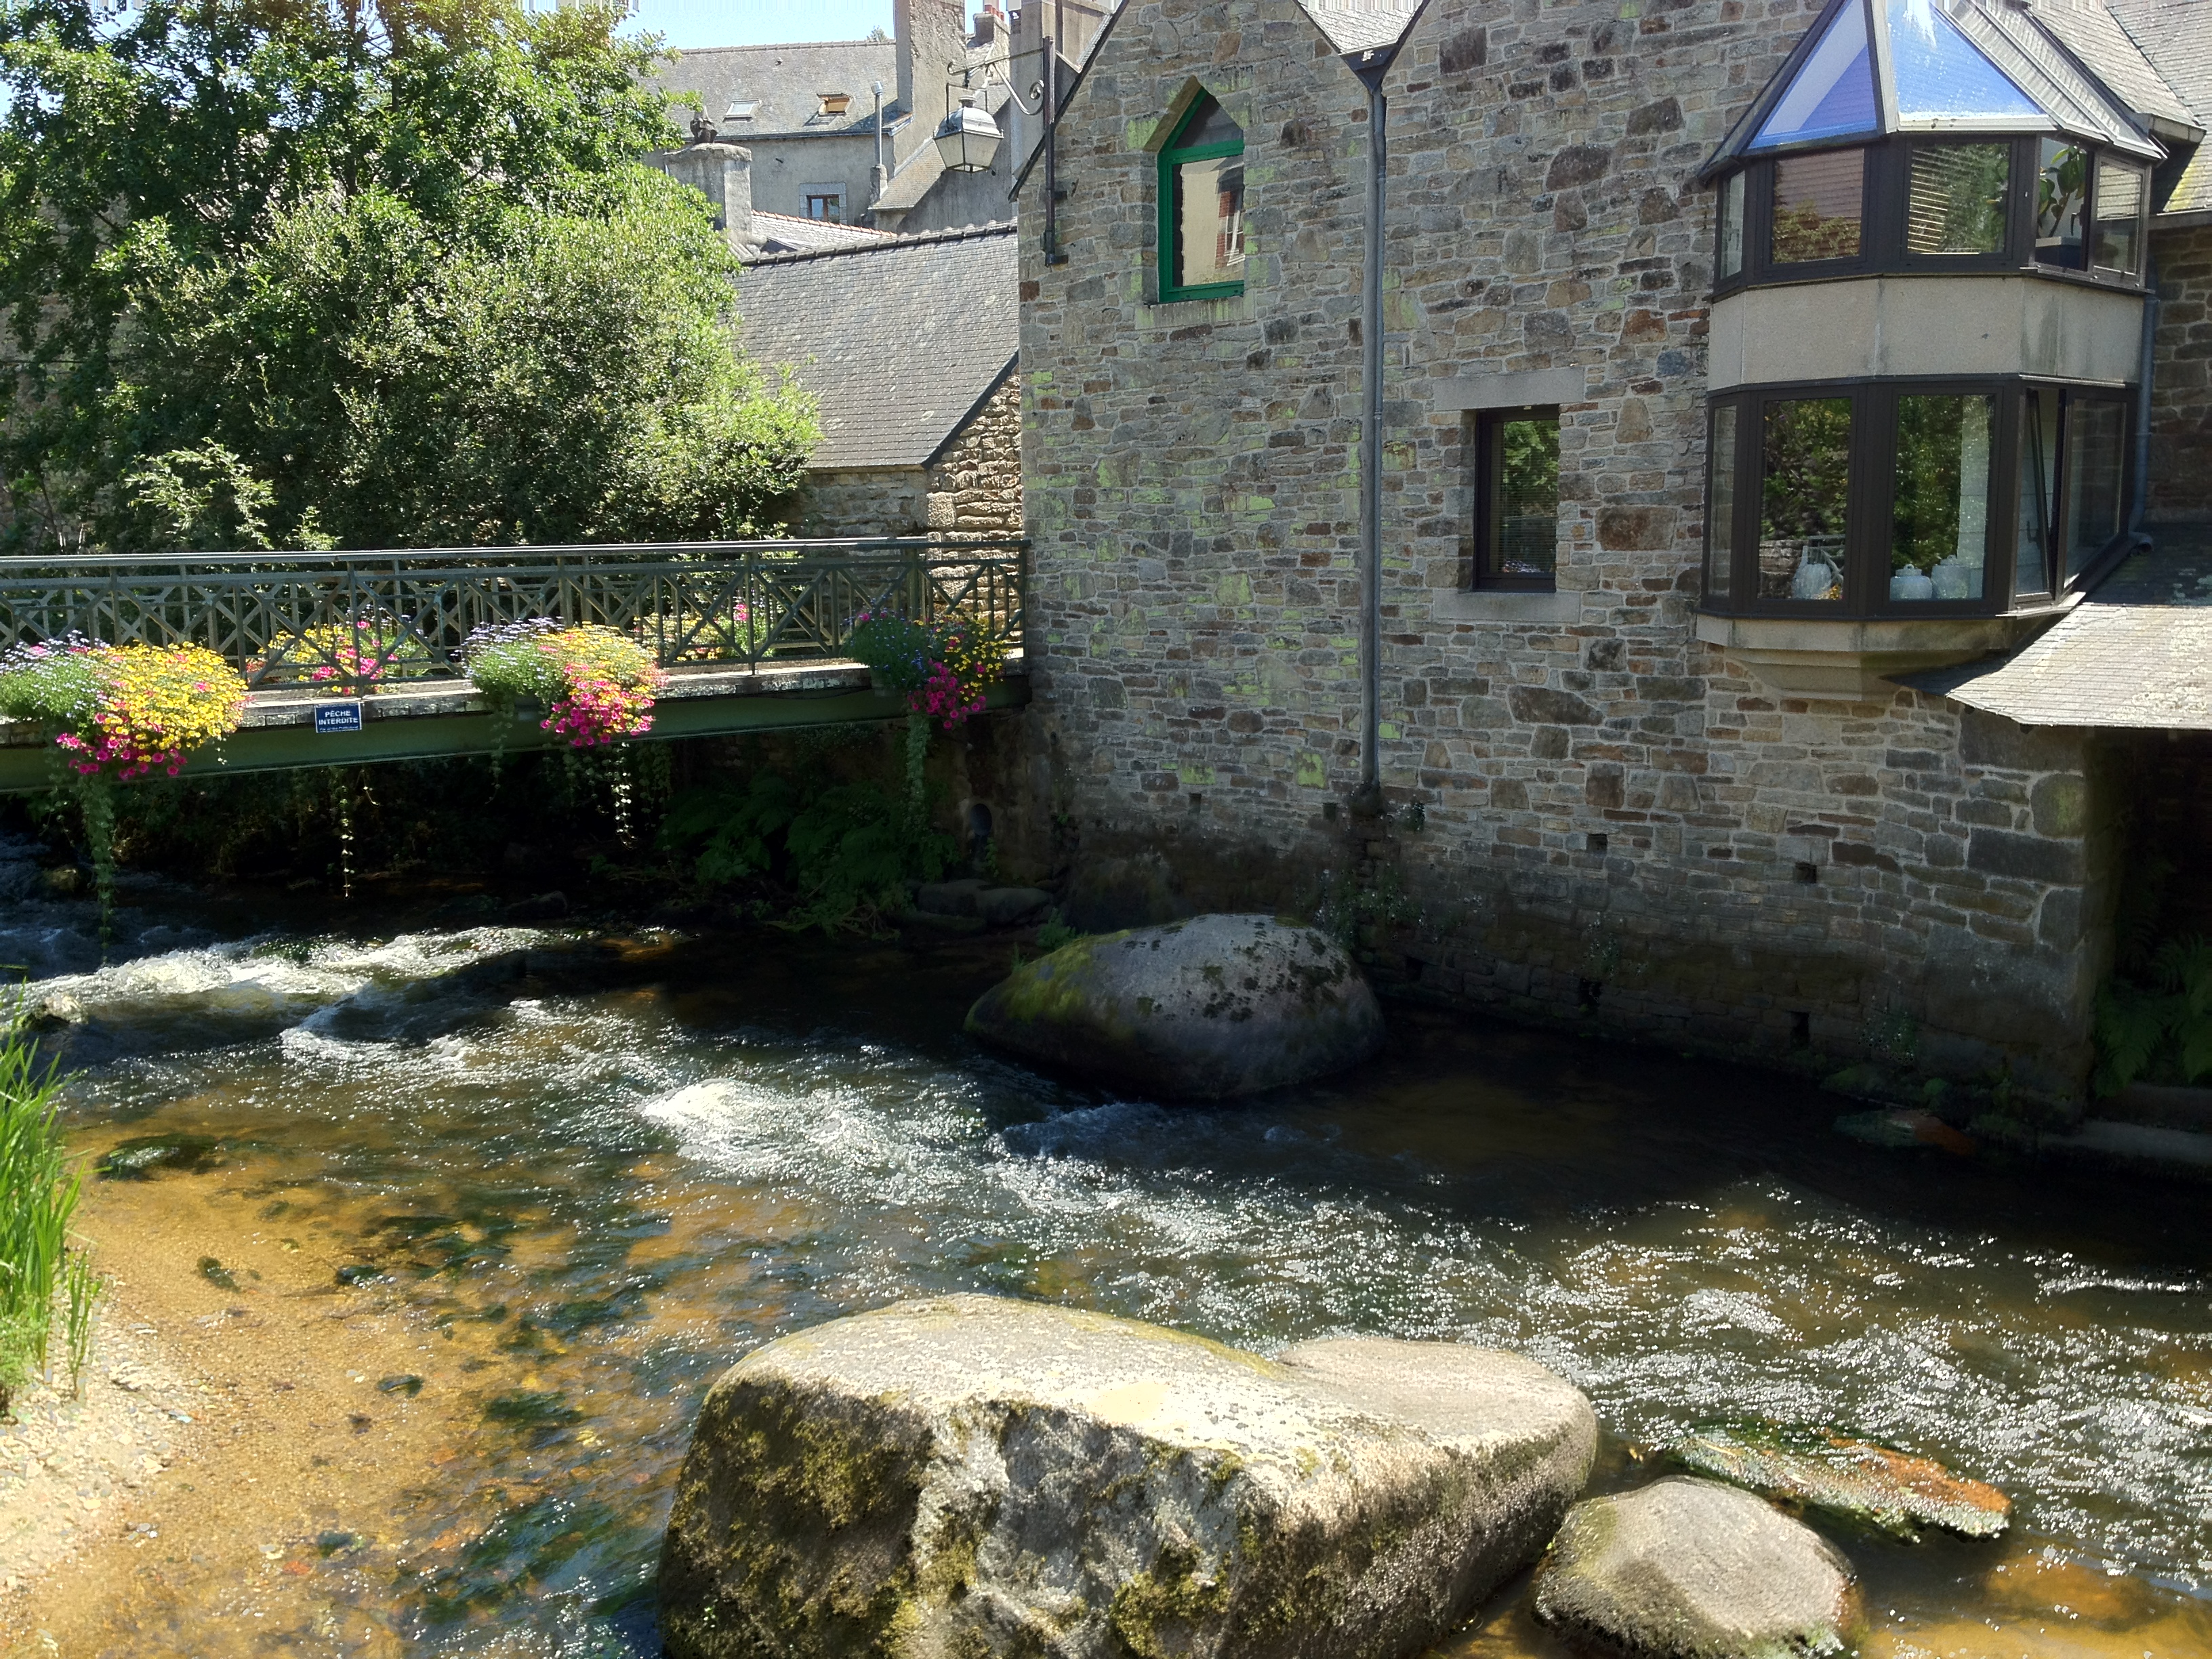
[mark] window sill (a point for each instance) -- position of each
(1505, 605)
(1852, 660)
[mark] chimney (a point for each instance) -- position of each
(930, 40)
(723, 174)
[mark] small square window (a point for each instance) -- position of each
(1819, 206)
(1517, 506)
(826, 206)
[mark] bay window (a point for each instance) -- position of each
(1883, 498)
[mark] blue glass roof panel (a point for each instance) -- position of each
(1941, 76)
(1832, 95)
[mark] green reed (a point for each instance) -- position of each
(39, 1191)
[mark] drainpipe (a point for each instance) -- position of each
(1053, 256)
(1369, 800)
(883, 174)
(2142, 392)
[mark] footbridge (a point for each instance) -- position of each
(349, 658)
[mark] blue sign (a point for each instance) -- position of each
(336, 717)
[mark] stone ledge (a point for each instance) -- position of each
(1461, 604)
(1843, 659)
(1514, 390)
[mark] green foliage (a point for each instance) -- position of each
(38, 1195)
(895, 649)
(1347, 908)
(306, 276)
(845, 849)
(1056, 933)
(2159, 1030)
(1807, 449)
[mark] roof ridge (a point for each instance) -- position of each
(1000, 227)
(768, 46)
(851, 230)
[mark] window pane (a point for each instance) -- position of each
(1208, 123)
(2119, 216)
(2093, 458)
(1816, 205)
(1940, 75)
(1957, 204)
(1834, 93)
(2061, 189)
(1720, 522)
(2038, 492)
(1939, 532)
(1209, 218)
(1732, 226)
(1525, 514)
(1805, 475)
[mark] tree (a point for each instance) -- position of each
(277, 274)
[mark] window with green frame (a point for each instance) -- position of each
(1202, 205)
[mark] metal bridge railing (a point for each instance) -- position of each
(346, 621)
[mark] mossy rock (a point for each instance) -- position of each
(1205, 1009)
(1686, 1569)
(975, 1477)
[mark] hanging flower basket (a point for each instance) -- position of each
(943, 670)
(594, 684)
(121, 712)
(339, 656)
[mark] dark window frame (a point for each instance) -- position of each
(1170, 158)
(1490, 500)
(1885, 200)
(1871, 494)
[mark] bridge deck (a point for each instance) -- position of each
(426, 720)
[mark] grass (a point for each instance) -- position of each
(39, 1191)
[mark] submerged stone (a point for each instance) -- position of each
(974, 1476)
(138, 1157)
(1686, 1569)
(1858, 1481)
(1204, 1009)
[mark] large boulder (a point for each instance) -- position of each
(976, 1477)
(1686, 1569)
(1870, 1485)
(1203, 1009)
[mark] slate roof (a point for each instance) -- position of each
(899, 340)
(786, 233)
(2176, 36)
(2135, 652)
(2088, 29)
(1361, 25)
(785, 82)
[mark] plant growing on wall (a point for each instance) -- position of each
(596, 685)
(944, 670)
(2157, 1027)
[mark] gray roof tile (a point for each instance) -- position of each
(1361, 25)
(786, 233)
(2135, 652)
(2176, 36)
(2089, 31)
(898, 339)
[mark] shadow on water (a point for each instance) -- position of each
(600, 1171)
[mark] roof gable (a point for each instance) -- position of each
(898, 340)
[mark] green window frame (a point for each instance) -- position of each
(1174, 155)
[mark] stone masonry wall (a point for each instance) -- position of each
(2181, 383)
(1597, 812)
(974, 487)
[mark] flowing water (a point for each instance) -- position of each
(581, 1174)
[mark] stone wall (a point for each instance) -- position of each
(974, 487)
(975, 484)
(1615, 820)
(2181, 385)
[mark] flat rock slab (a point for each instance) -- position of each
(1204, 1009)
(1858, 1481)
(1686, 1569)
(974, 1476)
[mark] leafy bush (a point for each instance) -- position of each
(848, 850)
(121, 711)
(2161, 1031)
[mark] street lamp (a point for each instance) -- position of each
(968, 138)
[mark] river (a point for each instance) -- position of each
(524, 1192)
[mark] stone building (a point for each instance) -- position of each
(1762, 385)
(908, 345)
